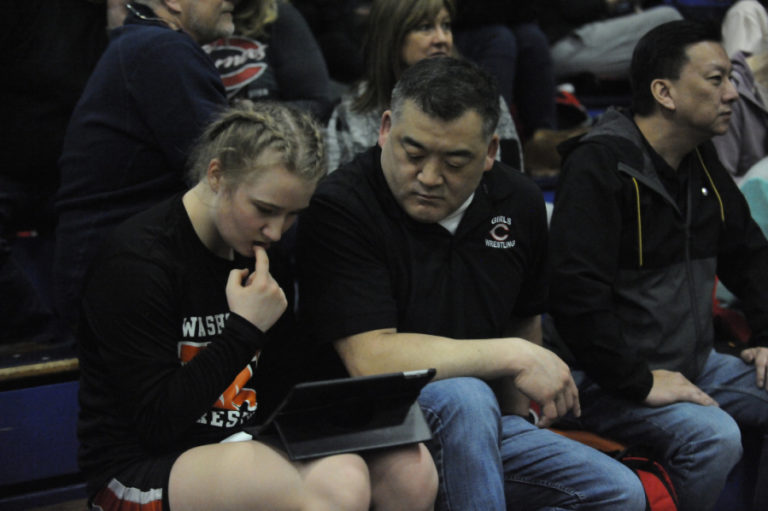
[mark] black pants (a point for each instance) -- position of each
(25, 264)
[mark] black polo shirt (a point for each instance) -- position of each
(365, 265)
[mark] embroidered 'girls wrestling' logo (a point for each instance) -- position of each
(239, 61)
(499, 233)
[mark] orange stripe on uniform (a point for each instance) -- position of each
(118, 497)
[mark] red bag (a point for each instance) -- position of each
(659, 492)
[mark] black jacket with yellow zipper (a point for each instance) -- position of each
(634, 262)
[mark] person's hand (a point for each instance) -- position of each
(672, 387)
(759, 357)
(259, 299)
(547, 380)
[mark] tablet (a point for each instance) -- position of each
(326, 417)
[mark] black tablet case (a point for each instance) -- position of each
(326, 417)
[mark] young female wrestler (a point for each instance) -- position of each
(177, 309)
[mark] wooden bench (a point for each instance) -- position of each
(38, 441)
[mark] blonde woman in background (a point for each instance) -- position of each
(400, 33)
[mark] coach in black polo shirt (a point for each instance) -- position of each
(425, 252)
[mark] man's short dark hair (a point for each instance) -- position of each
(661, 54)
(445, 88)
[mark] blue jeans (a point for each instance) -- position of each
(700, 444)
(487, 462)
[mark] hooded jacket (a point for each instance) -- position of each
(634, 262)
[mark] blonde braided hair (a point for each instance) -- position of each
(241, 134)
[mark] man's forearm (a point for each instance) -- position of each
(535, 371)
(382, 351)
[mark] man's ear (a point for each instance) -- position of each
(386, 126)
(661, 89)
(175, 6)
(214, 175)
(490, 157)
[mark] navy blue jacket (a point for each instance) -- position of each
(150, 96)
